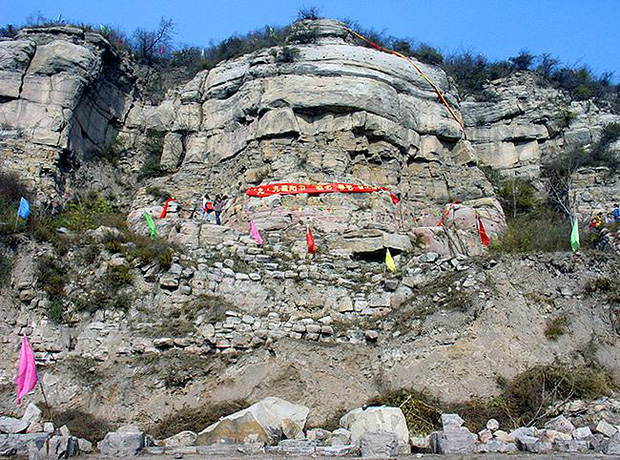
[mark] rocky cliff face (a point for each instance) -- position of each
(228, 319)
(64, 91)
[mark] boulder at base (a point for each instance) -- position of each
(127, 441)
(373, 419)
(270, 419)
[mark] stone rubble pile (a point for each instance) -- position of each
(36, 439)
(558, 435)
(276, 426)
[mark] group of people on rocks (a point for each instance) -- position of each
(599, 220)
(212, 206)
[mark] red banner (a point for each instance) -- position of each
(314, 189)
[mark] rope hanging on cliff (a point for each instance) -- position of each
(412, 62)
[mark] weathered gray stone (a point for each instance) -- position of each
(485, 435)
(32, 414)
(12, 425)
(451, 422)
(17, 444)
(456, 440)
(613, 446)
(420, 443)
(85, 445)
(127, 441)
(528, 443)
(294, 447)
(492, 425)
(582, 433)
(522, 431)
(572, 445)
(379, 444)
(62, 447)
(337, 451)
(561, 424)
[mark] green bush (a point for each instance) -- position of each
(86, 213)
(164, 259)
(287, 54)
(148, 250)
(542, 230)
(118, 276)
(517, 196)
(6, 266)
(427, 53)
(542, 386)
(151, 169)
(114, 246)
(89, 254)
(157, 193)
(120, 302)
(11, 190)
(52, 275)
(55, 311)
(113, 153)
(308, 13)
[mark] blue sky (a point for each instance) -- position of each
(575, 31)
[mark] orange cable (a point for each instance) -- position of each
(428, 80)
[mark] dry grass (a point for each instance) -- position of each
(556, 327)
(195, 419)
(524, 400)
(80, 423)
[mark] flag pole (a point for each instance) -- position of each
(43, 391)
(17, 216)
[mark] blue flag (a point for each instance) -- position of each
(24, 208)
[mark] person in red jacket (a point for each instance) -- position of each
(207, 207)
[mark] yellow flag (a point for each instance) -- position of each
(390, 262)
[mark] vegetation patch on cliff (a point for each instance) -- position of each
(195, 419)
(531, 396)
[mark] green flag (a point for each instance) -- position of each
(150, 224)
(574, 236)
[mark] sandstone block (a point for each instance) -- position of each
(605, 428)
(182, 439)
(271, 419)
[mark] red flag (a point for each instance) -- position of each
(484, 238)
(165, 210)
(310, 241)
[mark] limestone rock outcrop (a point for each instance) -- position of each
(63, 93)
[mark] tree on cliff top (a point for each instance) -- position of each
(147, 43)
